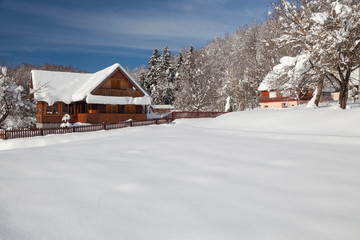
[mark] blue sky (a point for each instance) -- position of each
(92, 35)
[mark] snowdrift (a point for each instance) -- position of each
(273, 174)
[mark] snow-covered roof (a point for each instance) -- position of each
(50, 87)
(162, 107)
(289, 67)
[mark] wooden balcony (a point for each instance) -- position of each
(127, 92)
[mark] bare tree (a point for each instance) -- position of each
(329, 31)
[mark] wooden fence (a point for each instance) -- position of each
(177, 115)
(24, 133)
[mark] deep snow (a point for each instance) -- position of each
(263, 174)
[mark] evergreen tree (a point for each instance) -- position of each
(166, 79)
(150, 84)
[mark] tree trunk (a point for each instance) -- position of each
(344, 89)
(319, 91)
(344, 92)
(343, 96)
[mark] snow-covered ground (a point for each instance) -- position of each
(263, 174)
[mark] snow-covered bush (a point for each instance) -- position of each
(65, 121)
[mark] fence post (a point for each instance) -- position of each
(74, 129)
(104, 125)
(173, 115)
(5, 135)
(41, 132)
(131, 123)
(156, 121)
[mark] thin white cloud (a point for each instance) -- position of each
(142, 29)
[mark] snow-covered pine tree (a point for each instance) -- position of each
(150, 84)
(177, 76)
(166, 78)
(14, 105)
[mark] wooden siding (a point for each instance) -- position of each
(118, 85)
(109, 117)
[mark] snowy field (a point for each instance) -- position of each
(254, 175)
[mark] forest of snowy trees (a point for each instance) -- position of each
(320, 38)
(323, 36)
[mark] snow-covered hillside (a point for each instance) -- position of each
(270, 174)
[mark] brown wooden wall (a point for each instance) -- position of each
(43, 117)
(92, 113)
(118, 85)
(109, 117)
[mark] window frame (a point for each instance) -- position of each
(67, 107)
(272, 94)
(52, 107)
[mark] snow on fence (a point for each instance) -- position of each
(25, 133)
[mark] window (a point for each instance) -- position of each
(48, 109)
(82, 108)
(71, 109)
(53, 109)
(56, 108)
(68, 108)
(65, 108)
(93, 108)
(272, 94)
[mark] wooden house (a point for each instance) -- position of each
(277, 99)
(107, 96)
